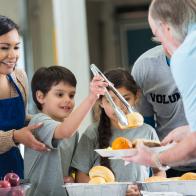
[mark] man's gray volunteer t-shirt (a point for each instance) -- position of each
(160, 95)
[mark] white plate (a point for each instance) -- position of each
(115, 154)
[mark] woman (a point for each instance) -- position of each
(13, 100)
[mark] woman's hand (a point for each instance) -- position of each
(133, 190)
(25, 136)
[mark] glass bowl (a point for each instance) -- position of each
(15, 191)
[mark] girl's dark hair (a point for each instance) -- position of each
(120, 78)
(7, 25)
(44, 78)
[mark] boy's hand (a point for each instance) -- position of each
(97, 87)
(133, 190)
(25, 136)
(68, 179)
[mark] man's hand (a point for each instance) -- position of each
(25, 136)
(176, 135)
(144, 156)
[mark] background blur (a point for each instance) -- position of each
(76, 33)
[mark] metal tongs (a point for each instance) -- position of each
(119, 113)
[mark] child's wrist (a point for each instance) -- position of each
(93, 98)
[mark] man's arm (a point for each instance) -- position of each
(182, 153)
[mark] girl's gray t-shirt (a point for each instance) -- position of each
(85, 157)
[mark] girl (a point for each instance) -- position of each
(101, 135)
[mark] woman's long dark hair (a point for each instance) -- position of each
(120, 78)
(7, 25)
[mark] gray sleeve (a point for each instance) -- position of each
(84, 157)
(144, 107)
(46, 132)
(140, 75)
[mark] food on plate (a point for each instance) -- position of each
(135, 119)
(109, 148)
(121, 143)
(149, 143)
(188, 176)
(174, 178)
(156, 179)
(101, 172)
(124, 143)
(97, 180)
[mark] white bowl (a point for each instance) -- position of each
(81, 189)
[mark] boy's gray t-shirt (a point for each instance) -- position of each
(85, 157)
(160, 96)
(47, 169)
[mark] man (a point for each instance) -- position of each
(174, 24)
(160, 102)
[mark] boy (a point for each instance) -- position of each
(53, 92)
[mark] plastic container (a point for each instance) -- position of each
(15, 191)
(81, 189)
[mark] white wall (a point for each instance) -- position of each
(72, 45)
(12, 9)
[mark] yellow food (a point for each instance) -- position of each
(174, 178)
(103, 172)
(135, 119)
(97, 180)
(188, 176)
(121, 143)
(156, 179)
(109, 148)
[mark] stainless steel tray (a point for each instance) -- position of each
(81, 189)
(185, 187)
